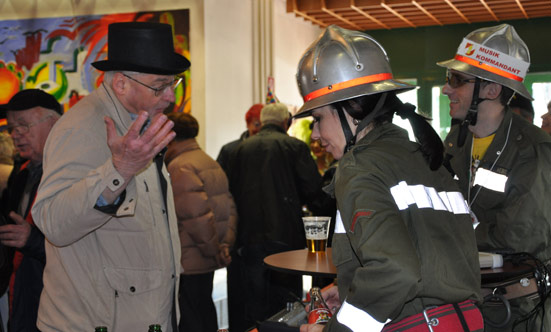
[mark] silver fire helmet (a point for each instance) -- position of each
(494, 54)
(343, 64)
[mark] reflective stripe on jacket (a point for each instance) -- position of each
(399, 251)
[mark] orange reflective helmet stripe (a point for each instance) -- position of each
(347, 84)
(488, 67)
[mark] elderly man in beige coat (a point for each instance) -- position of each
(105, 202)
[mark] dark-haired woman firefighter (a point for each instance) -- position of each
(404, 244)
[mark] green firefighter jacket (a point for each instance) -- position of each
(406, 240)
(513, 213)
(518, 215)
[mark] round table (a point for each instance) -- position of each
(508, 271)
(303, 262)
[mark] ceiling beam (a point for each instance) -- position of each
(457, 11)
(483, 2)
(522, 9)
(305, 16)
(375, 20)
(340, 17)
(400, 16)
(426, 12)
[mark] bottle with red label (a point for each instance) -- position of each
(319, 311)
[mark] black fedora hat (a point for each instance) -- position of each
(144, 47)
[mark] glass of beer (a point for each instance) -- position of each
(317, 231)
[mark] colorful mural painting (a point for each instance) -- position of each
(55, 54)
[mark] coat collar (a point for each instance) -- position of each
(497, 143)
(272, 127)
(119, 114)
(176, 148)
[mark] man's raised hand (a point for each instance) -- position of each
(133, 151)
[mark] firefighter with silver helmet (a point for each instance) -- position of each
(404, 247)
(502, 164)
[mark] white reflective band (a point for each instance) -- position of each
(405, 198)
(357, 320)
(339, 226)
(428, 197)
(457, 202)
(494, 58)
(490, 180)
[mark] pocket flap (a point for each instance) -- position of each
(131, 281)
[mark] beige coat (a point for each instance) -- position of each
(205, 208)
(119, 270)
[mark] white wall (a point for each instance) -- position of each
(292, 36)
(228, 71)
(229, 66)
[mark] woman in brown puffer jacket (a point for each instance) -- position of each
(207, 221)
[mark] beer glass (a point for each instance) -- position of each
(317, 231)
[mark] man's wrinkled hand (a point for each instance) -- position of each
(134, 151)
(15, 235)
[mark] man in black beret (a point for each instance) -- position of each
(105, 203)
(31, 114)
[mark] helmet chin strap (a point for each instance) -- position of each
(472, 114)
(351, 138)
(348, 136)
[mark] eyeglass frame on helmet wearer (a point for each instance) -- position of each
(158, 91)
(454, 80)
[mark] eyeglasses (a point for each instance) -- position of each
(21, 129)
(455, 81)
(162, 89)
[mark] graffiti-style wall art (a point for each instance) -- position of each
(55, 54)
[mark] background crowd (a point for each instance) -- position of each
(112, 214)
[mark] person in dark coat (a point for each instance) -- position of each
(252, 118)
(31, 114)
(272, 176)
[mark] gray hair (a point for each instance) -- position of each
(108, 75)
(276, 113)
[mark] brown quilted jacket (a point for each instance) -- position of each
(204, 206)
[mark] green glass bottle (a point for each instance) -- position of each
(155, 328)
(101, 328)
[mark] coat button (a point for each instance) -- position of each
(132, 289)
(519, 137)
(116, 182)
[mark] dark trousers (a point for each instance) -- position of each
(255, 292)
(197, 311)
